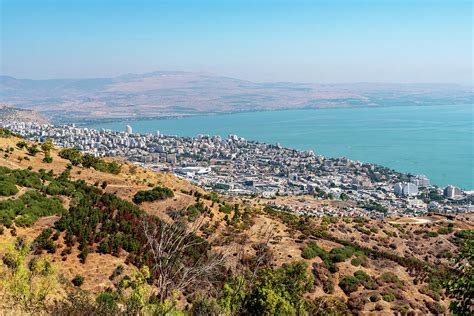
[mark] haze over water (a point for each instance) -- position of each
(433, 140)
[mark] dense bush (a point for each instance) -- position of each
(78, 280)
(192, 212)
(21, 177)
(280, 291)
(312, 250)
(71, 154)
(388, 297)
(7, 188)
(445, 230)
(431, 234)
(157, 193)
(349, 284)
(389, 277)
(225, 208)
(356, 262)
(89, 161)
(365, 279)
(28, 208)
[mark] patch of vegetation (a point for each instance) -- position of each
(28, 208)
(389, 277)
(192, 212)
(157, 193)
(225, 208)
(274, 292)
(327, 305)
(5, 132)
(445, 230)
(25, 281)
(356, 262)
(431, 234)
(24, 178)
(388, 297)
(365, 279)
(459, 285)
(78, 280)
(373, 206)
(7, 187)
(89, 161)
(312, 250)
(349, 284)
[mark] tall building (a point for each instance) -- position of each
(452, 192)
(405, 189)
(128, 129)
(420, 180)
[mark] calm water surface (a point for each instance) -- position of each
(432, 140)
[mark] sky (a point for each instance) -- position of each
(327, 41)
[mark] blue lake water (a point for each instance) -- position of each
(433, 140)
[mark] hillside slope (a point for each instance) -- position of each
(285, 263)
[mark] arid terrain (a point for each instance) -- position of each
(393, 261)
(174, 93)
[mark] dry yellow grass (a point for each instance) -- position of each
(284, 244)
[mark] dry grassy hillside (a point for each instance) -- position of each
(373, 266)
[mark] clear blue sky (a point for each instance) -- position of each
(305, 41)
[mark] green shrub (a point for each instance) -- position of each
(89, 161)
(280, 291)
(389, 277)
(388, 297)
(445, 230)
(78, 280)
(362, 276)
(312, 250)
(33, 150)
(194, 211)
(431, 234)
(28, 208)
(349, 284)
(356, 262)
(365, 279)
(22, 144)
(205, 307)
(157, 193)
(225, 208)
(7, 188)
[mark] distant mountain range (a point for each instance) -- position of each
(173, 93)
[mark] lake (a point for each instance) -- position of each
(433, 140)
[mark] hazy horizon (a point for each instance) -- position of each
(252, 81)
(367, 41)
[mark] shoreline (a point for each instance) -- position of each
(321, 147)
(107, 120)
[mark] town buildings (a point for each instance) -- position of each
(234, 165)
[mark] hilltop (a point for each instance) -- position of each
(10, 113)
(176, 93)
(98, 219)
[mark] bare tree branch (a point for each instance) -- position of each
(170, 245)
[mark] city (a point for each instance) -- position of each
(235, 166)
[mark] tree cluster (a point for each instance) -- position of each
(157, 193)
(89, 161)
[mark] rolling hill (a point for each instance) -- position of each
(173, 93)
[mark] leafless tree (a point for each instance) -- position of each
(260, 260)
(170, 245)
